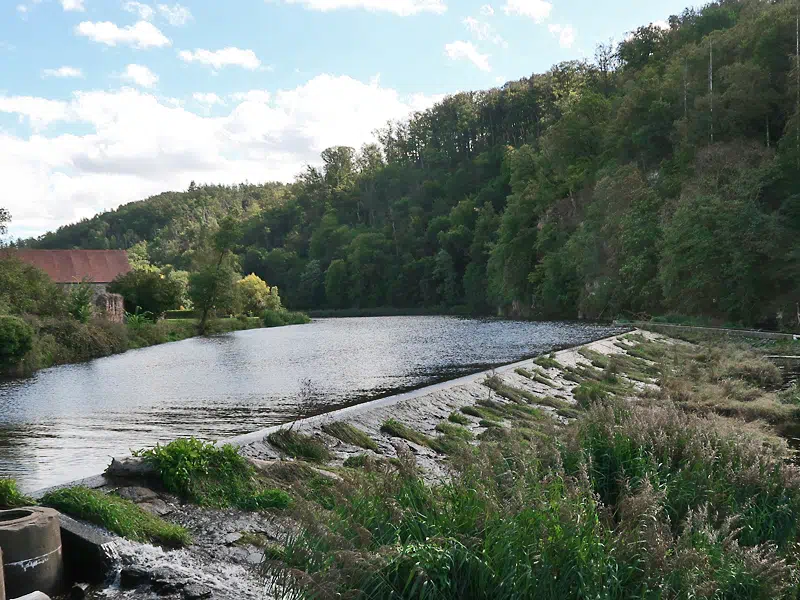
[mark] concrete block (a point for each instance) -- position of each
(87, 551)
(30, 539)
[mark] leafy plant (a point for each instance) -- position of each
(116, 514)
(16, 340)
(212, 476)
(11, 497)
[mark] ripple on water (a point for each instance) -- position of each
(65, 423)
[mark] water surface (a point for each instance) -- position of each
(66, 422)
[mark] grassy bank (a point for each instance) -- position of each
(674, 490)
(58, 341)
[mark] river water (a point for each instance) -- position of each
(65, 423)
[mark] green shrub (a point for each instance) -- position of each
(299, 445)
(16, 340)
(588, 394)
(458, 418)
(11, 497)
(24, 289)
(149, 291)
(281, 317)
(350, 435)
(116, 514)
(208, 475)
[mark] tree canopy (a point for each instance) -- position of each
(619, 186)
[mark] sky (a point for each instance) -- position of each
(103, 102)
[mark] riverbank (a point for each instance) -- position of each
(637, 464)
(67, 341)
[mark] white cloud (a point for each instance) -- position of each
(140, 75)
(208, 99)
(564, 33)
(176, 14)
(538, 10)
(138, 144)
(484, 31)
(76, 5)
(404, 8)
(140, 35)
(63, 72)
(487, 10)
(226, 57)
(460, 50)
(262, 96)
(144, 11)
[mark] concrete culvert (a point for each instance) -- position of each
(31, 542)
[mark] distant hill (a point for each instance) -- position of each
(620, 186)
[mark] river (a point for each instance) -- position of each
(65, 423)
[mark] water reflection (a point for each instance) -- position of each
(65, 423)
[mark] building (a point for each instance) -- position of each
(97, 268)
(71, 267)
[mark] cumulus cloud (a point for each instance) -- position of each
(466, 50)
(140, 35)
(175, 14)
(138, 144)
(76, 5)
(227, 57)
(403, 8)
(63, 72)
(564, 33)
(207, 99)
(484, 31)
(144, 11)
(538, 10)
(487, 10)
(252, 96)
(140, 75)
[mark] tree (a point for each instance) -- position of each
(5, 219)
(211, 287)
(254, 296)
(337, 286)
(16, 340)
(24, 289)
(151, 291)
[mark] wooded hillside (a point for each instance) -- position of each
(628, 185)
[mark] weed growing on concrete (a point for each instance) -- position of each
(11, 497)
(538, 377)
(118, 515)
(458, 418)
(208, 475)
(456, 431)
(350, 434)
(444, 444)
(300, 445)
(547, 362)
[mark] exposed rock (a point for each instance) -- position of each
(79, 591)
(232, 538)
(156, 507)
(137, 494)
(133, 576)
(131, 467)
(255, 558)
(167, 582)
(195, 591)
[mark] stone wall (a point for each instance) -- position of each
(110, 306)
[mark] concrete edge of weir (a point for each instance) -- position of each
(100, 480)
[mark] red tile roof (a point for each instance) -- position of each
(73, 266)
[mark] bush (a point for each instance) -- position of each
(24, 289)
(208, 475)
(299, 445)
(11, 497)
(279, 318)
(16, 340)
(79, 302)
(254, 296)
(116, 514)
(150, 291)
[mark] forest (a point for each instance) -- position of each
(660, 177)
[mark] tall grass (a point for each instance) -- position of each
(116, 514)
(629, 503)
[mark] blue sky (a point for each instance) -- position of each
(107, 101)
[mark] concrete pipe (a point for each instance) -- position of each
(30, 539)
